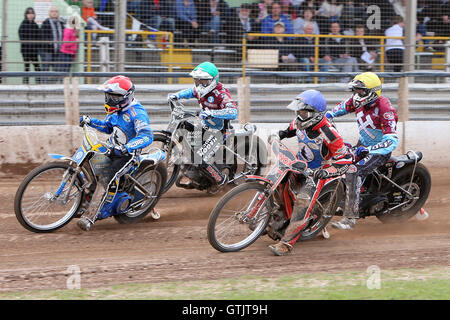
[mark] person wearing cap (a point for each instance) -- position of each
(311, 123)
(275, 15)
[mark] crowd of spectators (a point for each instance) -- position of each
(214, 21)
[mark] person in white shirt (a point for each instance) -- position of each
(395, 47)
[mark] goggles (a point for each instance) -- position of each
(202, 82)
(303, 111)
(113, 99)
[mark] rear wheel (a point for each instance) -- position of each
(152, 178)
(42, 203)
(420, 188)
(239, 218)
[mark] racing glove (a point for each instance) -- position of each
(172, 96)
(117, 151)
(84, 120)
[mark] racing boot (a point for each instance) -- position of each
(84, 223)
(281, 248)
(345, 223)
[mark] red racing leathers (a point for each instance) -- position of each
(338, 159)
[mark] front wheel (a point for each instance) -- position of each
(43, 203)
(323, 210)
(164, 143)
(152, 178)
(239, 218)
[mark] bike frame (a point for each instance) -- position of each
(277, 174)
(179, 114)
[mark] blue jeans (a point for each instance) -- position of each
(65, 57)
(48, 59)
(214, 24)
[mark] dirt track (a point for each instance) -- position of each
(175, 247)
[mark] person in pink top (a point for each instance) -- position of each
(69, 47)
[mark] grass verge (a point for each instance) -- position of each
(404, 284)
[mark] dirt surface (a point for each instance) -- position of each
(175, 247)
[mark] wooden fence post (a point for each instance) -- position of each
(243, 91)
(403, 108)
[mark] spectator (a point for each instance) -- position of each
(241, 24)
(331, 9)
(297, 3)
(395, 47)
(305, 52)
(308, 15)
(211, 15)
(88, 14)
(337, 50)
(133, 6)
(264, 6)
(70, 46)
(52, 33)
(353, 12)
(29, 31)
(288, 9)
(186, 19)
(157, 13)
(275, 16)
(360, 49)
(282, 43)
(399, 8)
(322, 21)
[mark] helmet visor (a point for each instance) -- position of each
(302, 110)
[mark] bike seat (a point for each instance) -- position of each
(407, 158)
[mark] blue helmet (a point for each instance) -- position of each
(309, 107)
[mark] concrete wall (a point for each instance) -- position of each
(22, 148)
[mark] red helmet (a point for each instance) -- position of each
(119, 92)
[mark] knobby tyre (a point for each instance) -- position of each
(35, 204)
(421, 186)
(153, 178)
(234, 223)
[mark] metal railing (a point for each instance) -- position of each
(381, 39)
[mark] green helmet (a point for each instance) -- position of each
(206, 78)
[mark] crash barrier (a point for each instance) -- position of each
(35, 142)
(62, 103)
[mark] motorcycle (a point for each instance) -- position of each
(394, 192)
(264, 205)
(54, 193)
(234, 152)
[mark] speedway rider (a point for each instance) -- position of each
(377, 122)
(218, 108)
(128, 123)
(310, 108)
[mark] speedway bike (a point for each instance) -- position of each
(236, 152)
(51, 195)
(264, 205)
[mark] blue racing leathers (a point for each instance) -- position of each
(129, 127)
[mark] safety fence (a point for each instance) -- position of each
(63, 103)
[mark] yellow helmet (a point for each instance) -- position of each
(366, 87)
